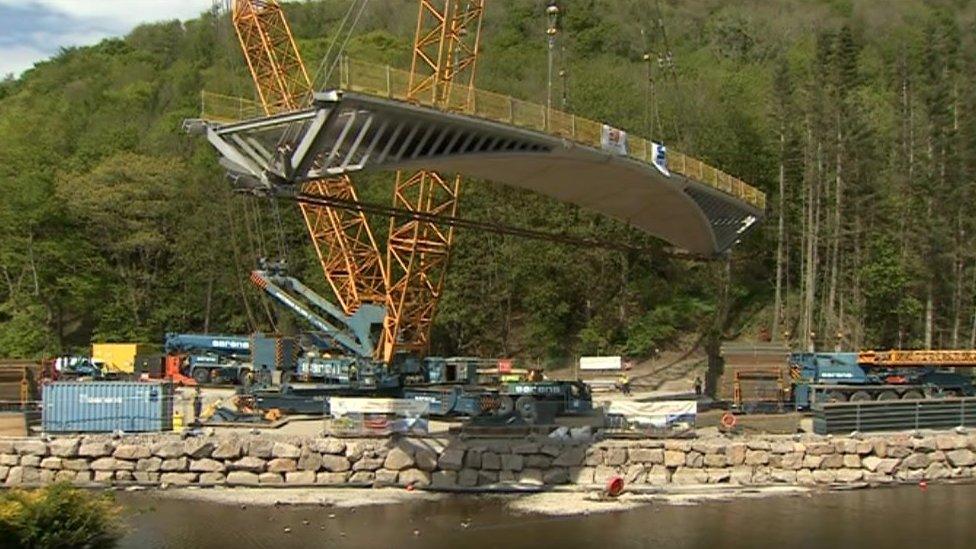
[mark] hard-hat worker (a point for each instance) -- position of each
(624, 382)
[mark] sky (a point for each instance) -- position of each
(33, 30)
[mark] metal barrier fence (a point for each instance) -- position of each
(895, 415)
(385, 81)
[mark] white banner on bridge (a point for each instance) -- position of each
(659, 157)
(614, 140)
(656, 414)
(600, 363)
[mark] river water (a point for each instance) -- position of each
(939, 517)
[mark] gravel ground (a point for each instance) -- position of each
(556, 503)
(332, 497)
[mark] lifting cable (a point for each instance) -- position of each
(259, 229)
(279, 229)
(235, 245)
(669, 64)
(256, 235)
(254, 241)
(325, 69)
(464, 223)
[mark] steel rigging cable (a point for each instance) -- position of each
(463, 223)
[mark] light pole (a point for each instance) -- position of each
(564, 105)
(552, 15)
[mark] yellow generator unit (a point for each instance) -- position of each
(120, 357)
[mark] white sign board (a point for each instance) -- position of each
(600, 363)
(378, 416)
(347, 405)
(655, 414)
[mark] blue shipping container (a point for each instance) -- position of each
(107, 406)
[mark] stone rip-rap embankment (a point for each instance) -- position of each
(442, 462)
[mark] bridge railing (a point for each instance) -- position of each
(386, 81)
(225, 108)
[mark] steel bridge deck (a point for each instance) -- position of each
(346, 132)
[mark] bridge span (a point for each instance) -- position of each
(366, 125)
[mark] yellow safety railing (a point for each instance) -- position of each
(225, 108)
(385, 81)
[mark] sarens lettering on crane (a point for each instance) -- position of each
(229, 344)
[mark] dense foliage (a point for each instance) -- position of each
(58, 516)
(857, 118)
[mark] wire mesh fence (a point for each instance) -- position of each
(225, 108)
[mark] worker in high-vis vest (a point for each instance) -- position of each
(624, 382)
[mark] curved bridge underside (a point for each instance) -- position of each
(346, 132)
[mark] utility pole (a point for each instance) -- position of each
(552, 15)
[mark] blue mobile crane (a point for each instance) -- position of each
(874, 375)
(342, 363)
(209, 358)
(342, 346)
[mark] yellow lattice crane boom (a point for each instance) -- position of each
(279, 74)
(343, 241)
(410, 279)
(445, 55)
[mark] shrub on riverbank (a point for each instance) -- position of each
(58, 516)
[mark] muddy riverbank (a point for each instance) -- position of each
(551, 501)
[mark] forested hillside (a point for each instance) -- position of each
(857, 118)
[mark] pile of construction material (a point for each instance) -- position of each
(754, 374)
(18, 383)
